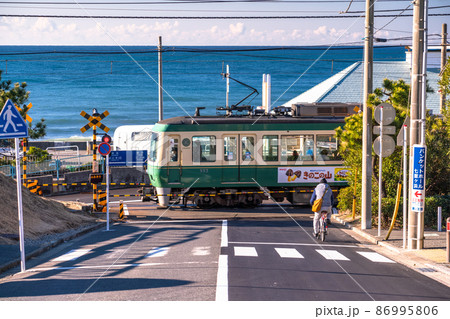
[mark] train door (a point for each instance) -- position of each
(173, 160)
(239, 158)
(230, 171)
(247, 158)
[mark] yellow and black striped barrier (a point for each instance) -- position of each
(236, 193)
(101, 200)
(34, 187)
(121, 214)
(103, 184)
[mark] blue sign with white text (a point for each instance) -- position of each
(419, 167)
(12, 125)
(127, 158)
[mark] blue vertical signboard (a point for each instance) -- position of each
(418, 185)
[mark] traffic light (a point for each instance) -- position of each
(106, 139)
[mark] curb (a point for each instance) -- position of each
(49, 246)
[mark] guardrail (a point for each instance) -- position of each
(54, 167)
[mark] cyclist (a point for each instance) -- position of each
(322, 190)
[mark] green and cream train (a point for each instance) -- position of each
(237, 160)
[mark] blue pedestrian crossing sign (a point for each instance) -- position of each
(12, 125)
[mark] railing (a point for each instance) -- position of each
(54, 167)
(8, 170)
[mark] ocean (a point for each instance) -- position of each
(65, 80)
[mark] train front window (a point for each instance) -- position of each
(153, 147)
(270, 148)
(327, 148)
(203, 149)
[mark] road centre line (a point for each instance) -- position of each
(222, 269)
(291, 244)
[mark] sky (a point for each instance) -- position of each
(29, 24)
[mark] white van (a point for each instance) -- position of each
(132, 137)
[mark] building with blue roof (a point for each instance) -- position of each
(347, 85)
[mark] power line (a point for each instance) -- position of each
(206, 17)
(190, 2)
(197, 50)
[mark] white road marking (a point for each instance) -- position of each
(201, 251)
(222, 279)
(222, 269)
(224, 235)
(288, 253)
(375, 257)
(157, 252)
(72, 255)
(245, 251)
(291, 244)
(332, 254)
(117, 266)
(125, 210)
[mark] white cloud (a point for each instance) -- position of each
(322, 30)
(43, 25)
(237, 29)
(74, 32)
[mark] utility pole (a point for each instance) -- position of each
(366, 176)
(160, 79)
(443, 61)
(415, 239)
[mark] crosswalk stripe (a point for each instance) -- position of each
(288, 253)
(72, 255)
(201, 251)
(157, 252)
(332, 254)
(245, 251)
(375, 257)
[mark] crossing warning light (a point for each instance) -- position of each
(106, 139)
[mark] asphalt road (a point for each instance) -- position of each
(246, 259)
(279, 260)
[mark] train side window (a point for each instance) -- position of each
(153, 147)
(229, 148)
(270, 148)
(248, 148)
(203, 149)
(327, 148)
(297, 147)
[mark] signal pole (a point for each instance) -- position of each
(366, 176)
(415, 238)
(443, 60)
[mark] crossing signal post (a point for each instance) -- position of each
(94, 121)
(104, 148)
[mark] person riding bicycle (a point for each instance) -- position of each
(322, 190)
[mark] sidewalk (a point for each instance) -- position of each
(431, 261)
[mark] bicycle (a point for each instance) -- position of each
(323, 227)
